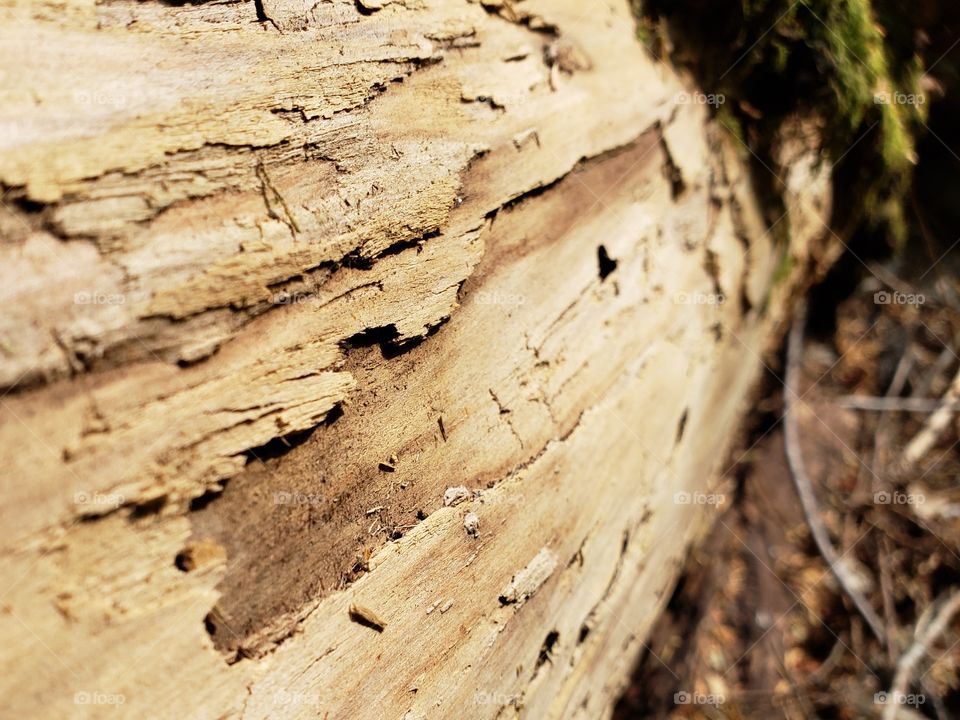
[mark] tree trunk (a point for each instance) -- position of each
(281, 276)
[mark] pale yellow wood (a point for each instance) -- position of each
(205, 216)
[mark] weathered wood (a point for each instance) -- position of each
(277, 278)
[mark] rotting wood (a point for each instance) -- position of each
(249, 255)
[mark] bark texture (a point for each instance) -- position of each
(278, 275)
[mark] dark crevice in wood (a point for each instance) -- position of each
(546, 649)
(607, 264)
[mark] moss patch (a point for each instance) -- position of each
(855, 63)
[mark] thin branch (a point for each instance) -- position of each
(802, 482)
(891, 404)
(900, 375)
(933, 428)
(891, 280)
(926, 633)
(904, 366)
(940, 365)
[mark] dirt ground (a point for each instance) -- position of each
(759, 625)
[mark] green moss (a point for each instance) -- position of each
(863, 79)
(869, 94)
(833, 57)
(781, 55)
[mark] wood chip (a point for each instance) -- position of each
(456, 495)
(365, 616)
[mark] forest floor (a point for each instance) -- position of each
(759, 625)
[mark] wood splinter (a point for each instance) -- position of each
(365, 616)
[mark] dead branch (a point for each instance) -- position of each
(802, 482)
(891, 404)
(926, 633)
(933, 428)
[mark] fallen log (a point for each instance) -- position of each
(279, 275)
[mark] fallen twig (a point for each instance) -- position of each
(900, 376)
(801, 480)
(940, 365)
(891, 280)
(891, 404)
(933, 428)
(886, 592)
(927, 632)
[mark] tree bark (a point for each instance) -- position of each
(279, 275)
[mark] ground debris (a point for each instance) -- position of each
(758, 608)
